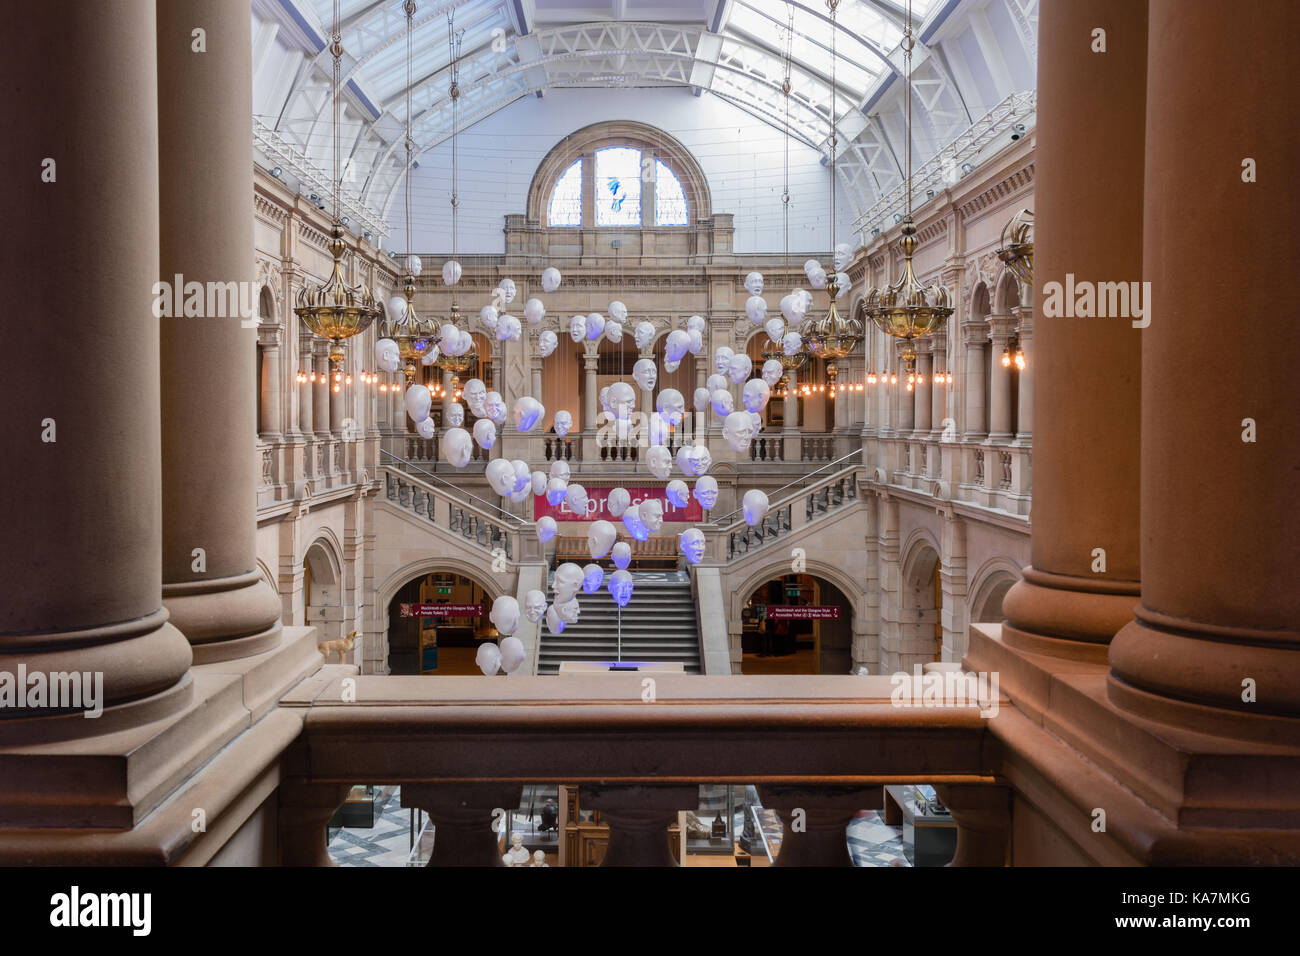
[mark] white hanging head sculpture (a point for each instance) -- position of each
(547, 343)
(494, 406)
(792, 343)
(431, 353)
(756, 394)
(802, 301)
(660, 461)
(694, 460)
(695, 324)
(523, 477)
(620, 587)
(622, 400)
(528, 412)
(842, 257)
(506, 288)
(634, 524)
(512, 654)
(621, 555)
(488, 658)
(487, 317)
(538, 482)
(643, 334)
(715, 382)
(457, 446)
(676, 345)
(738, 430)
(500, 475)
(696, 345)
(475, 394)
(739, 367)
(700, 400)
(550, 279)
(756, 309)
(658, 430)
(560, 469)
(600, 538)
(557, 489)
(414, 265)
(755, 506)
(567, 580)
(425, 429)
(576, 498)
(505, 615)
(652, 514)
(677, 493)
(553, 622)
(618, 311)
(451, 272)
(775, 329)
(508, 329)
(723, 403)
(387, 357)
(788, 309)
(618, 501)
(485, 433)
(645, 374)
(843, 285)
(569, 610)
(397, 309)
(671, 367)
(578, 328)
(706, 492)
(671, 406)
(534, 311)
(614, 331)
(810, 266)
(692, 544)
(722, 359)
(818, 279)
(454, 414)
(593, 576)
(534, 605)
(772, 372)
(754, 283)
(595, 326)
(563, 422)
(418, 401)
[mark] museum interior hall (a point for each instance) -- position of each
(583, 433)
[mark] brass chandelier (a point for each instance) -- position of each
(1017, 248)
(335, 310)
(413, 335)
(906, 309)
(832, 336)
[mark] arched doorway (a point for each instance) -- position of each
(436, 623)
(797, 624)
(322, 594)
(986, 606)
(920, 602)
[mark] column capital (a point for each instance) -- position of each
(975, 332)
(1001, 328)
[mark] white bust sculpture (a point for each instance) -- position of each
(756, 309)
(576, 499)
(754, 506)
(817, 279)
(425, 429)
(677, 493)
(618, 501)
(550, 279)
(792, 343)
(724, 403)
(508, 330)
(694, 460)
(485, 433)
(614, 331)
(457, 446)
(696, 345)
(488, 658)
(557, 489)
(652, 514)
(754, 283)
(643, 334)
(487, 317)
(621, 555)
(528, 412)
(775, 328)
(618, 311)
(756, 394)
(567, 580)
(500, 475)
(722, 359)
(414, 265)
(518, 854)
(546, 528)
(772, 372)
(494, 406)
(715, 382)
(523, 477)
(593, 576)
(701, 399)
(454, 414)
(692, 544)
(506, 287)
(553, 622)
(451, 272)
(560, 469)
(569, 611)
(539, 480)
(676, 345)
(387, 356)
(397, 309)
(706, 492)
(660, 461)
(595, 326)
(475, 394)
(534, 311)
(620, 587)
(843, 256)
(578, 328)
(563, 422)
(622, 400)
(634, 525)
(671, 405)
(739, 367)
(738, 431)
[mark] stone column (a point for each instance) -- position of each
(269, 337)
(305, 390)
(922, 405)
(590, 406)
(321, 388)
(1220, 531)
(905, 419)
(938, 390)
(1001, 329)
(647, 399)
(975, 336)
(216, 596)
(82, 567)
(1082, 584)
(1024, 315)
(338, 392)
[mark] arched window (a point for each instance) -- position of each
(620, 175)
(566, 199)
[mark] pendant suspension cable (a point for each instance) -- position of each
(907, 68)
(833, 5)
(409, 8)
(453, 45)
(336, 49)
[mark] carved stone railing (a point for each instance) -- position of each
(764, 448)
(816, 448)
(561, 449)
(991, 475)
(462, 748)
(452, 511)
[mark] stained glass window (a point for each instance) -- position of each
(566, 198)
(618, 186)
(670, 200)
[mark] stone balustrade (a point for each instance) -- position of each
(993, 475)
(461, 748)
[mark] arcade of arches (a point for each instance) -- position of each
(1055, 500)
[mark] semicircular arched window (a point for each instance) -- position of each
(622, 180)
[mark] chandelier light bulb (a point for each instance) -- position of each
(920, 380)
(893, 379)
(909, 386)
(1006, 358)
(348, 380)
(337, 387)
(1020, 360)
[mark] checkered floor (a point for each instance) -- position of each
(871, 842)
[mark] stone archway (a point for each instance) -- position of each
(775, 640)
(443, 644)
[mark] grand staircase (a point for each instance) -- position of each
(658, 625)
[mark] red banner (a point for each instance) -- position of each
(802, 612)
(442, 610)
(598, 506)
